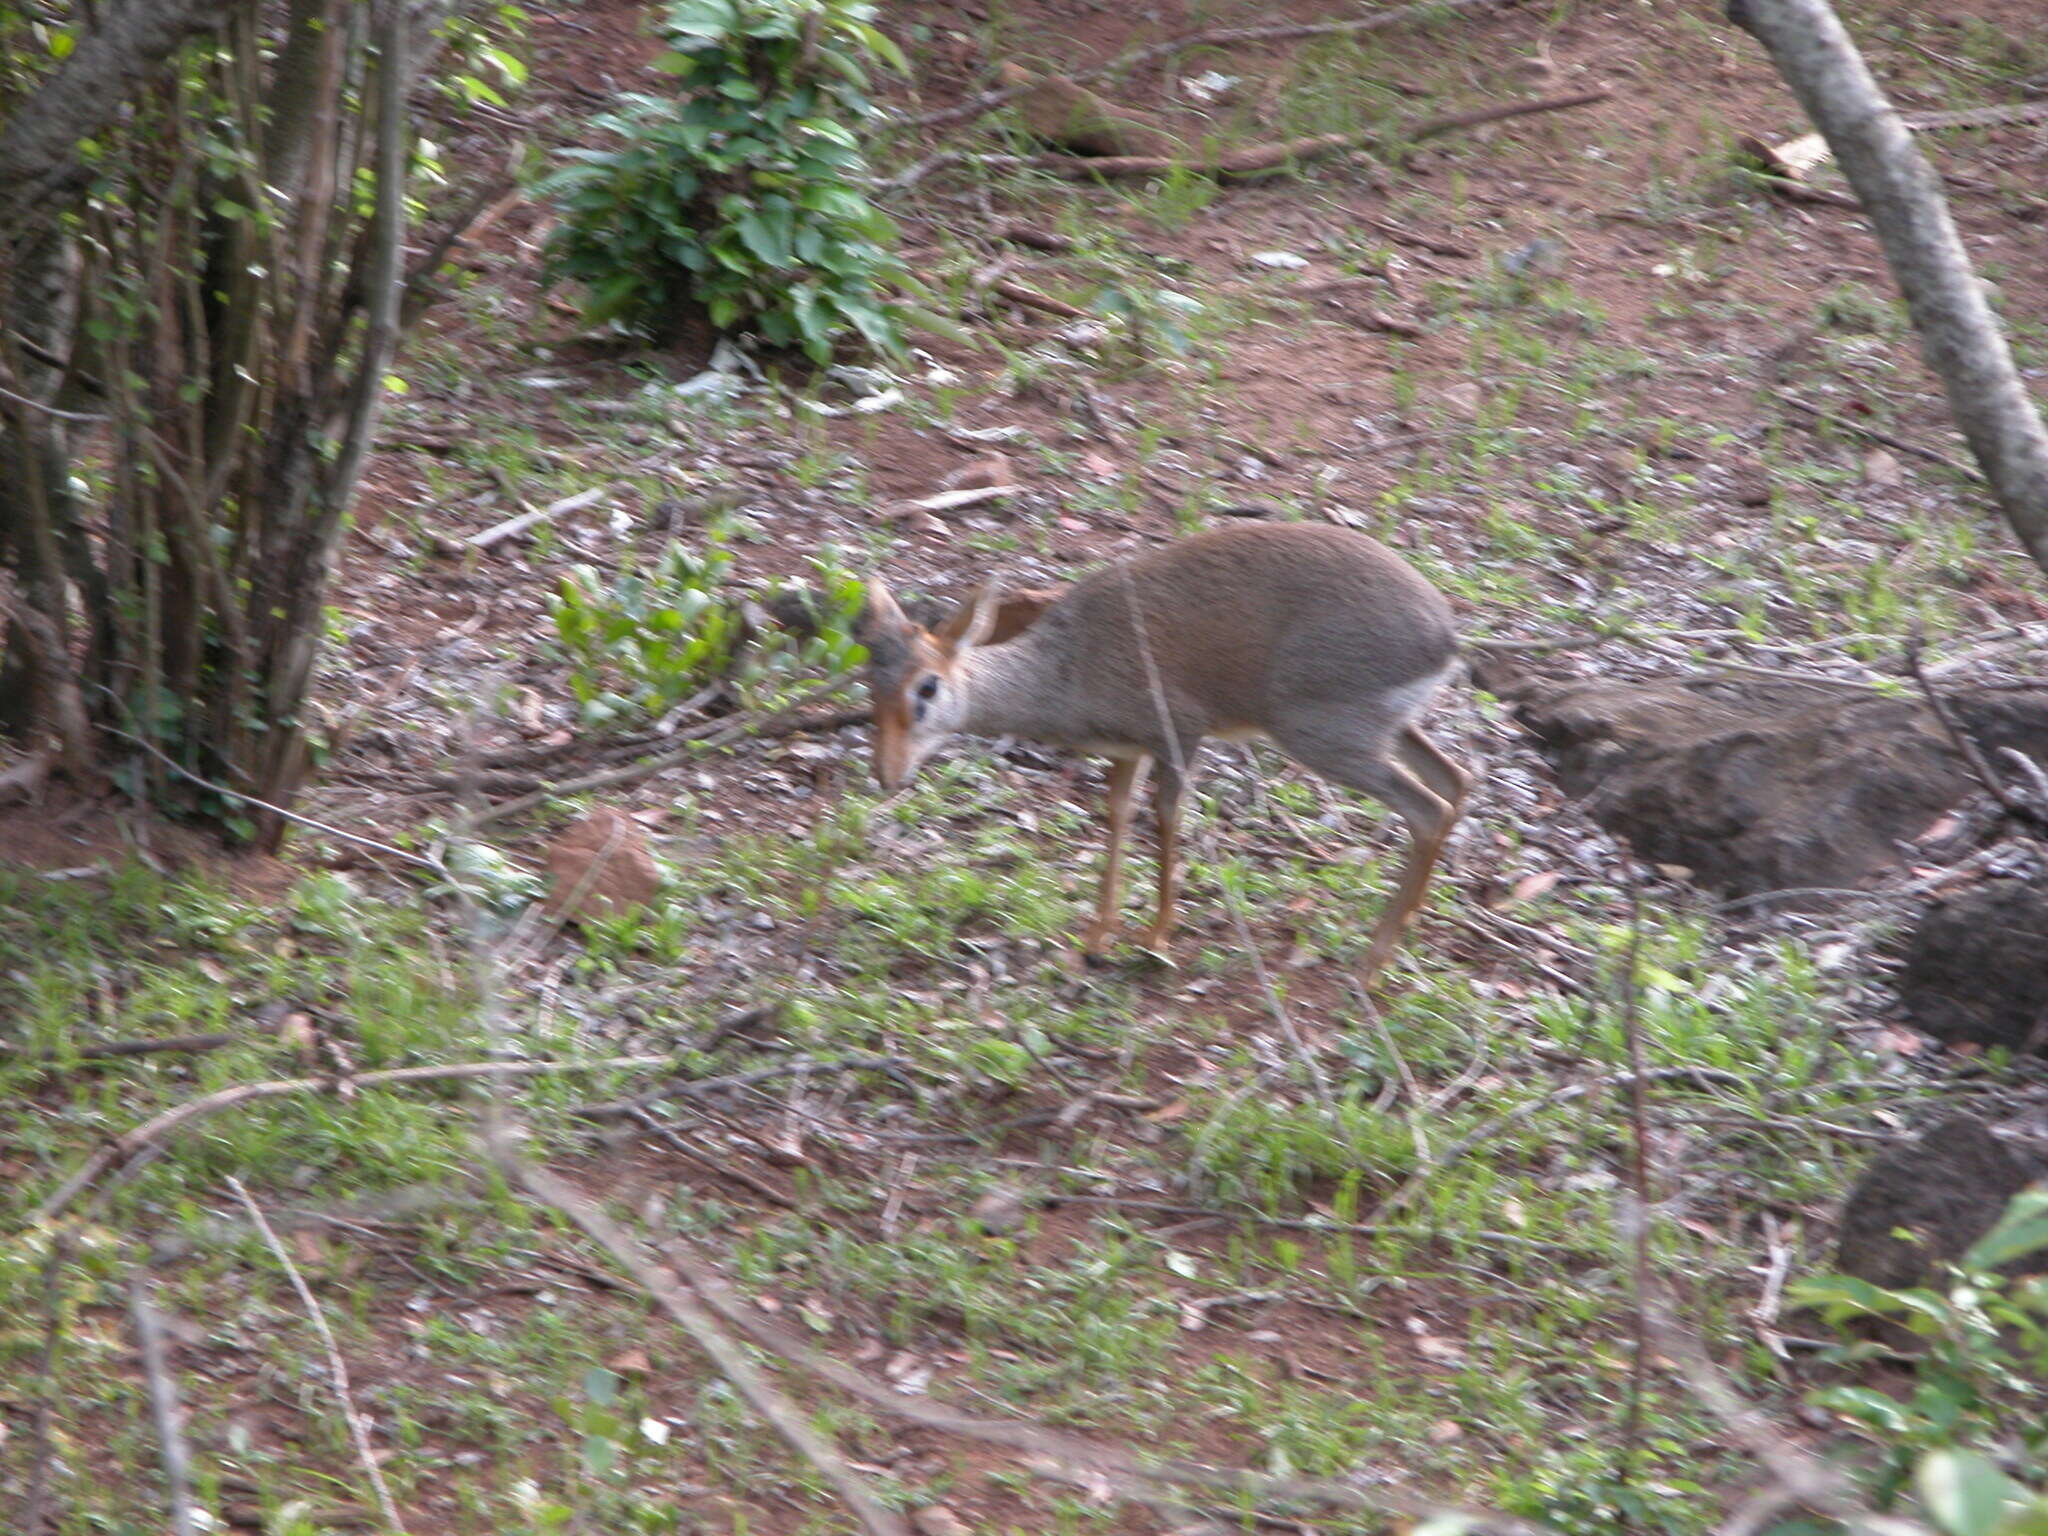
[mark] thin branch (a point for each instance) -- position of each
(1084, 1461)
(385, 281)
(1638, 1188)
(35, 1519)
(276, 810)
(48, 410)
(1264, 159)
(704, 1330)
(784, 722)
(117, 1049)
(1809, 409)
(1221, 37)
(132, 1143)
(697, 1088)
(164, 1412)
(1564, 1095)
(2018, 809)
(358, 1428)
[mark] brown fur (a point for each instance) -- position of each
(1322, 639)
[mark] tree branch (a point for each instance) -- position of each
(1959, 335)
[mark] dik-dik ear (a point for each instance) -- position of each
(969, 625)
(1018, 612)
(882, 613)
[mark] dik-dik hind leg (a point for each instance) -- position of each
(1447, 779)
(1429, 816)
(1125, 775)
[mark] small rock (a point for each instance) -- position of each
(981, 475)
(1540, 255)
(1946, 1189)
(1883, 469)
(600, 867)
(1000, 1210)
(1462, 398)
(1976, 967)
(1282, 261)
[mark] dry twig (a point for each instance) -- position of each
(358, 1427)
(164, 1413)
(704, 1330)
(1216, 38)
(131, 1144)
(2020, 810)
(1263, 159)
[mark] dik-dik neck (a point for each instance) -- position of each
(1014, 689)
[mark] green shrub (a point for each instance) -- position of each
(741, 197)
(650, 640)
(1970, 1439)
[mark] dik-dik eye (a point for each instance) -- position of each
(929, 688)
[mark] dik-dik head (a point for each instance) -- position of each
(917, 683)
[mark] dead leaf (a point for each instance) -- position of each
(984, 474)
(630, 1362)
(1883, 469)
(1443, 1432)
(938, 1520)
(1530, 886)
(1942, 828)
(601, 867)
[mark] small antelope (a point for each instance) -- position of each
(1322, 640)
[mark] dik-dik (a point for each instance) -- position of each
(1320, 639)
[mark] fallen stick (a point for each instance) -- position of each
(337, 1368)
(2020, 810)
(129, 1144)
(719, 733)
(1807, 408)
(705, 1331)
(114, 1049)
(1031, 298)
(1220, 37)
(1405, 236)
(1260, 159)
(526, 520)
(163, 1405)
(697, 1088)
(953, 501)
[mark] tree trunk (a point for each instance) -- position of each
(1959, 335)
(39, 146)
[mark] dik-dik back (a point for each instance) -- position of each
(1240, 630)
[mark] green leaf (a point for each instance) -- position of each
(1964, 1491)
(1866, 1407)
(882, 46)
(2022, 1230)
(759, 235)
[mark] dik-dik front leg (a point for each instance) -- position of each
(1125, 775)
(1166, 798)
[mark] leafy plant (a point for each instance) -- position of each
(741, 196)
(1971, 1438)
(649, 641)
